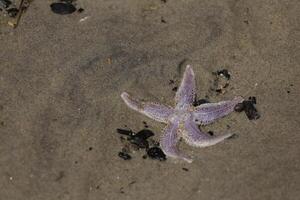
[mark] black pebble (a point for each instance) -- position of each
(90, 148)
(63, 8)
(156, 153)
(124, 156)
(12, 12)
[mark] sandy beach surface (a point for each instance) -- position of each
(60, 83)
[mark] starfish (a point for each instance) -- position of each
(183, 119)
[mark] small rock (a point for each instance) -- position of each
(156, 153)
(62, 8)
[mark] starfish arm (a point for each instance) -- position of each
(209, 112)
(193, 136)
(169, 141)
(186, 92)
(154, 111)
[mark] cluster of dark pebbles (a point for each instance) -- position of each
(64, 7)
(248, 107)
(137, 141)
(7, 5)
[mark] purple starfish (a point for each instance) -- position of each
(183, 120)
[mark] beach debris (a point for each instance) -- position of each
(248, 107)
(185, 117)
(63, 8)
(156, 153)
(17, 13)
(221, 81)
(138, 141)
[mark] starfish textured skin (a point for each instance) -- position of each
(183, 120)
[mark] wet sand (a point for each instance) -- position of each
(60, 86)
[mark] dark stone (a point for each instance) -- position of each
(156, 153)
(62, 8)
(174, 89)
